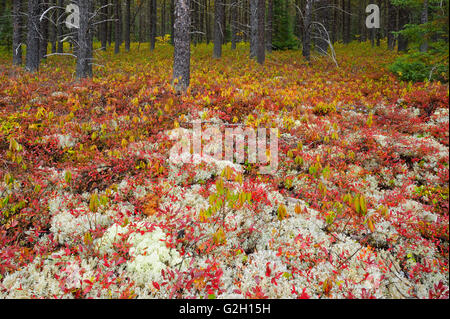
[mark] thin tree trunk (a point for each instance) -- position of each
(253, 28)
(32, 53)
(261, 45)
(153, 21)
(17, 36)
(269, 26)
(218, 32)
(234, 12)
(403, 16)
(172, 21)
(335, 22)
(306, 31)
(323, 16)
(182, 50)
(59, 28)
(348, 28)
(84, 57)
(423, 20)
(163, 19)
(117, 27)
(104, 24)
(207, 21)
(43, 45)
(392, 12)
(127, 24)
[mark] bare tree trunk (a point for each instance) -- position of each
(43, 45)
(403, 17)
(32, 55)
(218, 32)
(127, 25)
(84, 52)
(52, 26)
(253, 28)
(335, 22)
(348, 23)
(234, 12)
(17, 33)
(109, 24)
(152, 5)
(261, 44)
(182, 43)
(207, 21)
(269, 26)
(392, 12)
(163, 19)
(117, 28)
(172, 21)
(59, 28)
(306, 31)
(423, 20)
(362, 21)
(104, 24)
(323, 16)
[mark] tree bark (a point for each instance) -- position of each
(43, 45)
(261, 44)
(127, 24)
(152, 5)
(182, 50)
(84, 52)
(403, 19)
(269, 26)
(423, 20)
(17, 33)
(323, 16)
(104, 24)
(117, 27)
(306, 31)
(253, 28)
(218, 32)
(234, 17)
(59, 28)
(32, 55)
(392, 12)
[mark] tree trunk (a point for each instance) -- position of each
(261, 45)
(32, 55)
(348, 23)
(59, 28)
(218, 32)
(269, 26)
(335, 22)
(43, 45)
(423, 20)
(207, 21)
(306, 31)
(17, 36)
(152, 4)
(127, 25)
(392, 12)
(84, 57)
(182, 43)
(403, 19)
(234, 12)
(253, 28)
(163, 19)
(104, 24)
(323, 16)
(117, 28)
(172, 21)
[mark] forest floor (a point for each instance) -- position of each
(93, 206)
